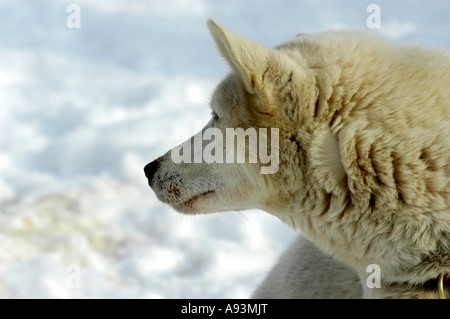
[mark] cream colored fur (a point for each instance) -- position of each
(364, 146)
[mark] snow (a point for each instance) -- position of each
(82, 112)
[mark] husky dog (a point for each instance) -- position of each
(353, 136)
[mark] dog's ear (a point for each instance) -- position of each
(268, 73)
(248, 58)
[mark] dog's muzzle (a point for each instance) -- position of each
(151, 168)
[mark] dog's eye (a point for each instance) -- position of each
(215, 117)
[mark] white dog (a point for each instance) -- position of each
(353, 149)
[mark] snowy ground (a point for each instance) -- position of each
(83, 110)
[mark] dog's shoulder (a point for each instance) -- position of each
(303, 271)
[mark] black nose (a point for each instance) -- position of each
(151, 168)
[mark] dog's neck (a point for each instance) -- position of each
(429, 279)
(431, 267)
(431, 289)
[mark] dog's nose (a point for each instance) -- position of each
(151, 168)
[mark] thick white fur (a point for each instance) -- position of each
(364, 149)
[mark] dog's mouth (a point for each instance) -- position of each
(196, 197)
(189, 205)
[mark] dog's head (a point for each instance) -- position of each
(249, 151)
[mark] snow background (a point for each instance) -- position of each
(83, 110)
